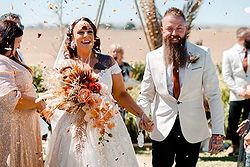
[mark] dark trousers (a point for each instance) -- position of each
(175, 147)
(235, 112)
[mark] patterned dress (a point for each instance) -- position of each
(20, 138)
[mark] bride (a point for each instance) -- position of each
(82, 44)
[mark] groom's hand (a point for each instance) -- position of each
(146, 124)
(216, 144)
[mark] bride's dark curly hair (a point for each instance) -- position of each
(71, 52)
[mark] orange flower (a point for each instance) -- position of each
(111, 125)
(102, 131)
(83, 94)
(94, 113)
(107, 116)
(99, 124)
(107, 103)
(103, 110)
(91, 101)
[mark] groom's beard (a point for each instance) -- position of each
(247, 43)
(175, 48)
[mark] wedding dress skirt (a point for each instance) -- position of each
(118, 152)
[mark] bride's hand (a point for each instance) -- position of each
(146, 123)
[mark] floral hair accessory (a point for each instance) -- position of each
(76, 90)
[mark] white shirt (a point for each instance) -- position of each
(242, 56)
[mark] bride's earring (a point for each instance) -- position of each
(73, 45)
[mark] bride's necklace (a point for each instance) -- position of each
(87, 60)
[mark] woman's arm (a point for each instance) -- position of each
(122, 97)
(125, 100)
(28, 102)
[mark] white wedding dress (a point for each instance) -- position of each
(118, 152)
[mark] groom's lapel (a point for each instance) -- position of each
(187, 73)
(162, 66)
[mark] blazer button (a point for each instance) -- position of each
(178, 102)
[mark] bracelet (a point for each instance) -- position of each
(142, 116)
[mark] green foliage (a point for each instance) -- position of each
(131, 125)
(224, 94)
(138, 71)
(38, 78)
(131, 119)
(223, 87)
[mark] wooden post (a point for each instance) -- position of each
(144, 29)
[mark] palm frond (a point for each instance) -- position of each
(190, 10)
(152, 19)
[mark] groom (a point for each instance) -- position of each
(176, 76)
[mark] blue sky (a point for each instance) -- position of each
(212, 12)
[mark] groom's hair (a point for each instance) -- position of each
(241, 31)
(175, 12)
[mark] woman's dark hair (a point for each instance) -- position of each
(9, 31)
(13, 17)
(71, 51)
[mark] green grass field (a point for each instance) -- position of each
(220, 160)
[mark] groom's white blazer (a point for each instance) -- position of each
(233, 73)
(199, 76)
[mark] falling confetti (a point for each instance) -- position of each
(165, 1)
(51, 6)
(39, 35)
(65, 1)
(114, 10)
(209, 3)
(45, 22)
(107, 26)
